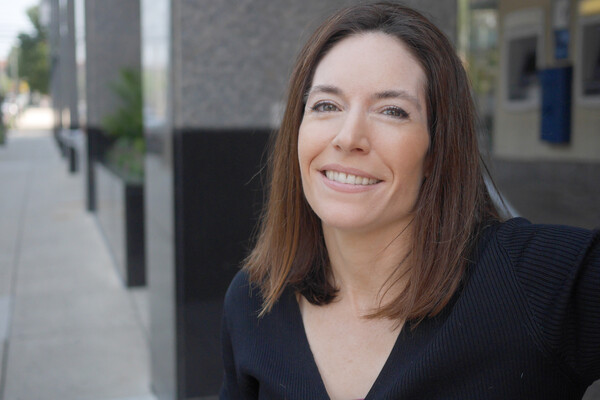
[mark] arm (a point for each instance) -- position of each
(580, 340)
(558, 269)
(230, 388)
(236, 328)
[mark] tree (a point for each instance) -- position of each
(33, 54)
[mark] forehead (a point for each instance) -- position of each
(373, 61)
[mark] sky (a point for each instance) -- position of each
(13, 21)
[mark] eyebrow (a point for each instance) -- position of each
(323, 89)
(386, 94)
(398, 94)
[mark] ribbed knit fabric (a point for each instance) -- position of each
(525, 325)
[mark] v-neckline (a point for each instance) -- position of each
(408, 340)
(313, 364)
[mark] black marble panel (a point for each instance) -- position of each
(90, 182)
(135, 243)
(96, 145)
(218, 198)
(120, 215)
(72, 159)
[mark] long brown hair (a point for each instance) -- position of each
(453, 203)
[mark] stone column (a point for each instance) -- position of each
(69, 112)
(55, 75)
(112, 42)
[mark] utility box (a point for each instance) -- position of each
(556, 104)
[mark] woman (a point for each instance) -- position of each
(381, 270)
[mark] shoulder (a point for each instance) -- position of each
(547, 267)
(239, 289)
(518, 229)
(242, 300)
(526, 243)
(243, 325)
(556, 274)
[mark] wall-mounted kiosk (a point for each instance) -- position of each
(523, 52)
(588, 57)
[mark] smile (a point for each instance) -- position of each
(350, 179)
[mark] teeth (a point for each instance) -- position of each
(349, 179)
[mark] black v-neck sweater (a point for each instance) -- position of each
(525, 325)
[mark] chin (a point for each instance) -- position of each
(349, 221)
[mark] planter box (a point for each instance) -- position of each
(120, 215)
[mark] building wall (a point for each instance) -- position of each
(79, 14)
(232, 58)
(112, 34)
(70, 115)
(517, 131)
(62, 64)
(55, 75)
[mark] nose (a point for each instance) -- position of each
(353, 134)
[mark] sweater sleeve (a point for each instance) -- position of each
(558, 270)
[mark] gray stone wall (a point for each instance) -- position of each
(232, 58)
(55, 76)
(551, 192)
(112, 31)
(67, 65)
(80, 66)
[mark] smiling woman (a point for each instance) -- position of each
(362, 150)
(381, 269)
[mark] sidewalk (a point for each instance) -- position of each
(68, 327)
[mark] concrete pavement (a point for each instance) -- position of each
(69, 329)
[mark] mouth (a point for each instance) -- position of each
(349, 179)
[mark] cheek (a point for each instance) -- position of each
(302, 148)
(309, 146)
(420, 164)
(409, 160)
(305, 155)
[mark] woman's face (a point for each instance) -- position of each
(363, 139)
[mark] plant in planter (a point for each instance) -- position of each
(125, 126)
(119, 180)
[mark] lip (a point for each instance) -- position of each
(345, 187)
(346, 170)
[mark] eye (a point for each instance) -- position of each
(395, 112)
(324, 106)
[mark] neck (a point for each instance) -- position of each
(364, 265)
